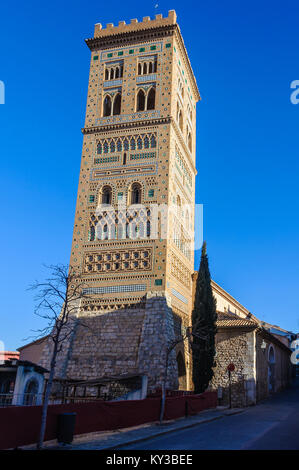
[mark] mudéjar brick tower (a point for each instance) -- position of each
(134, 222)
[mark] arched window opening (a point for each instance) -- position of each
(112, 146)
(119, 145)
(136, 193)
(126, 144)
(117, 104)
(140, 100)
(151, 99)
(139, 69)
(146, 142)
(117, 72)
(124, 158)
(30, 393)
(153, 141)
(181, 120)
(106, 74)
(139, 143)
(99, 148)
(121, 70)
(107, 106)
(133, 144)
(155, 66)
(145, 68)
(106, 195)
(111, 74)
(150, 67)
(106, 147)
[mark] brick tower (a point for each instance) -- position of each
(134, 221)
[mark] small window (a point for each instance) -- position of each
(151, 99)
(126, 144)
(117, 104)
(107, 106)
(106, 195)
(119, 145)
(140, 100)
(136, 193)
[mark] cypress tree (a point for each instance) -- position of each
(203, 326)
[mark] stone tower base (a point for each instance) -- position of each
(125, 341)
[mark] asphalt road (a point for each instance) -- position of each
(273, 424)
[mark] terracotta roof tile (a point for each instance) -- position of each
(229, 320)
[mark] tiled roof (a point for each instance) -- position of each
(229, 320)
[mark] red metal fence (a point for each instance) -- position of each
(19, 425)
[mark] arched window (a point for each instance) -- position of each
(112, 146)
(136, 193)
(150, 67)
(153, 141)
(30, 393)
(155, 66)
(106, 147)
(151, 99)
(140, 100)
(139, 143)
(181, 120)
(107, 106)
(121, 70)
(132, 144)
(145, 68)
(146, 142)
(126, 144)
(106, 74)
(117, 72)
(119, 145)
(111, 74)
(124, 158)
(139, 69)
(190, 141)
(106, 195)
(117, 104)
(99, 148)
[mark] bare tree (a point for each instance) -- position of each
(197, 331)
(57, 300)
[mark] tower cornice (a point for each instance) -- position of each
(125, 125)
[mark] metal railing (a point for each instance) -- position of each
(20, 399)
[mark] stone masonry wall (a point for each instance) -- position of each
(128, 341)
(235, 346)
(157, 333)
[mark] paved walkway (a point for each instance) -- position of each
(130, 436)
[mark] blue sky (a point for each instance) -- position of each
(244, 56)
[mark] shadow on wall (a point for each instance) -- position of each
(239, 394)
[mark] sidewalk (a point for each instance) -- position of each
(122, 437)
